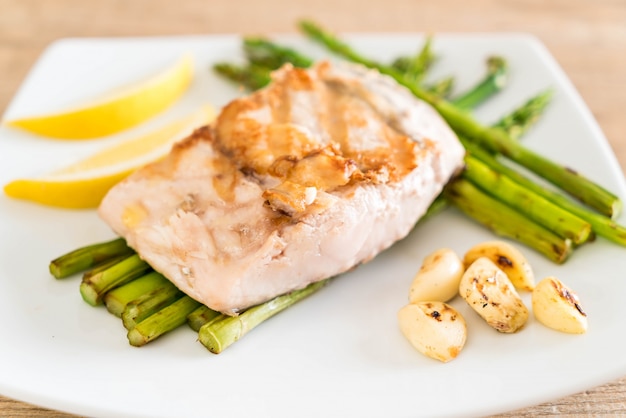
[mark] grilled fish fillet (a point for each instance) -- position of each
(303, 180)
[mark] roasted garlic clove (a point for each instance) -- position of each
(558, 307)
(508, 258)
(438, 278)
(488, 290)
(435, 329)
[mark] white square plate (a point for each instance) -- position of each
(338, 353)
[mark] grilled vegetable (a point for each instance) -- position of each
(558, 307)
(508, 258)
(488, 290)
(435, 329)
(438, 278)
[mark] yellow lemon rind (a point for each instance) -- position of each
(118, 113)
(72, 188)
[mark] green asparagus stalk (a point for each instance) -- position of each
(148, 304)
(334, 44)
(506, 221)
(563, 177)
(219, 335)
(117, 299)
(518, 121)
(87, 257)
(93, 288)
(402, 63)
(415, 67)
(534, 206)
(252, 77)
(492, 138)
(162, 322)
(494, 81)
(264, 53)
(600, 225)
(263, 56)
(521, 119)
(201, 316)
(436, 207)
(441, 88)
(103, 266)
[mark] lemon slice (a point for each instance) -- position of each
(84, 184)
(118, 112)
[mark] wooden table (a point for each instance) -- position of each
(588, 38)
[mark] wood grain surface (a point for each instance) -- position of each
(587, 38)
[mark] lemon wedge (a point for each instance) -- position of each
(120, 111)
(84, 184)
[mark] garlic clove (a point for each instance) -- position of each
(508, 258)
(557, 306)
(435, 329)
(438, 278)
(488, 290)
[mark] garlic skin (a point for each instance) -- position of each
(438, 278)
(508, 258)
(434, 328)
(488, 290)
(557, 306)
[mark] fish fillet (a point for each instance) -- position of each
(297, 182)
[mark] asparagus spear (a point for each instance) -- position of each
(201, 316)
(93, 288)
(104, 265)
(441, 88)
(252, 77)
(521, 119)
(564, 177)
(494, 81)
(116, 299)
(163, 321)
(492, 138)
(267, 54)
(87, 257)
(600, 225)
(263, 56)
(506, 221)
(534, 206)
(414, 68)
(437, 206)
(219, 335)
(149, 303)
(256, 74)
(131, 283)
